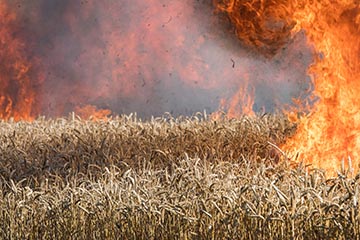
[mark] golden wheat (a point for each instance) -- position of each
(166, 178)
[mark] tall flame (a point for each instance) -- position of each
(331, 132)
(16, 92)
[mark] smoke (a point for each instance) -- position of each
(151, 57)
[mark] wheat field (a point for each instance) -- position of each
(166, 178)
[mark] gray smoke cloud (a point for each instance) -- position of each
(152, 57)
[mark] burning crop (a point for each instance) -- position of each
(277, 78)
(299, 57)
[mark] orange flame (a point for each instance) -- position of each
(330, 132)
(241, 103)
(91, 112)
(16, 92)
(265, 25)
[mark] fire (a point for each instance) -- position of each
(91, 112)
(264, 25)
(96, 57)
(241, 103)
(329, 134)
(17, 95)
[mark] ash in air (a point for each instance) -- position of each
(151, 57)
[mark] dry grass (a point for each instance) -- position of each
(185, 178)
